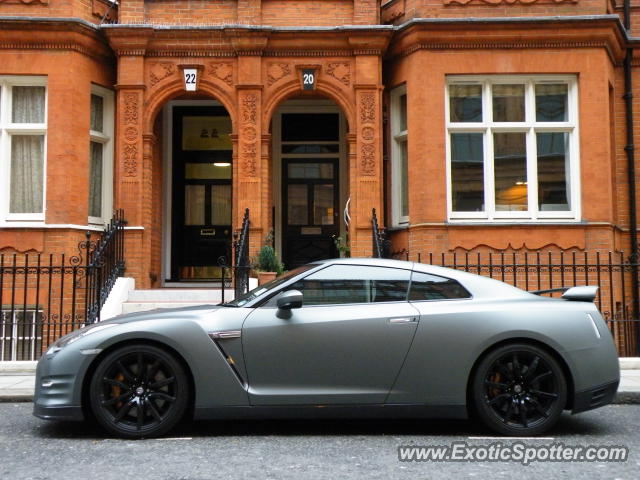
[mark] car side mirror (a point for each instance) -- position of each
(290, 299)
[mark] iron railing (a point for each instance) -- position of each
(44, 296)
(612, 272)
(105, 263)
(237, 275)
(381, 244)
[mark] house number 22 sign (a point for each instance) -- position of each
(308, 79)
(190, 79)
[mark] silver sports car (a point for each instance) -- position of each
(348, 337)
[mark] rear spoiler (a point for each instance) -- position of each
(578, 294)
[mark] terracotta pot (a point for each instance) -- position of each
(264, 277)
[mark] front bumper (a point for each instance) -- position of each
(58, 413)
(594, 397)
(58, 388)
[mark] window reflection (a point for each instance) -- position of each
(467, 172)
(465, 103)
(553, 171)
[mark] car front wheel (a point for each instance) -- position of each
(138, 391)
(519, 389)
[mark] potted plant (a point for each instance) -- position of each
(342, 245)
(268, 265)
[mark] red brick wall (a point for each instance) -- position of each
(307, 12)
(54, 8)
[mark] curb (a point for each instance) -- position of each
(18, 367)
(627, 398)
(16, 398)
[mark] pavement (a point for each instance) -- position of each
(17, 381)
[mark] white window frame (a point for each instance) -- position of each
(106, 139)
(530, 126)
(398, 137)
(7, 129)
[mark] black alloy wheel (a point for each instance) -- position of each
(519, 389)
(139, 391)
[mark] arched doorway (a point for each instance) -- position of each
(198, 156)
(310, 179)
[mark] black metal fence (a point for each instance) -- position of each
(236, 276)
(43, 297)
(381, 244)
(557, 270)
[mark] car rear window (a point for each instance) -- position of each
(433, 287)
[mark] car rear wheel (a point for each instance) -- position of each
(139, 391)
(519, 389)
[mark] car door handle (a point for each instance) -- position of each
(403, 320)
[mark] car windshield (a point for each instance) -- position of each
(262, 289)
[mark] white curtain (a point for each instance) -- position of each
(95, 180)
(28, 104)
(27, 173)
(97, 114)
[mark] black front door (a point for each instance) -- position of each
(310, 186)
(311, 210)
(201, 223)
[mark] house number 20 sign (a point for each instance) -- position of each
(308, 79)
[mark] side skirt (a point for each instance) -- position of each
(332, 411)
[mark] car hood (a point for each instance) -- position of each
(186, 313)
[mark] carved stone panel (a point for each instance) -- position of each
(367, 145)
(277, 71)
(249, 134)
(131, 133)
(341, 71)
(222, 71)
(158, 71)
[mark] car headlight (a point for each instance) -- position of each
(76, 335)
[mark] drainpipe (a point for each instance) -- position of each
(630, 150)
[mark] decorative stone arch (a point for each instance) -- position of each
(160, 97)
(282, 93)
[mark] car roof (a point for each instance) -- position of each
(478, 285)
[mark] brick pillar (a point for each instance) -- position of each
(250, 181)
(366, 175)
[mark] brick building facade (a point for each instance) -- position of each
(469, 125)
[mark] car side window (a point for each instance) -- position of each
(341, 284)
(433, 287)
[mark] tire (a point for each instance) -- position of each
(519, 390)
(131, 402)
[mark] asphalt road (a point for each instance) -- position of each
(34, 449)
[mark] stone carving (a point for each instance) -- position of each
(249, 133)
(130, 160)
(249, 106)
(368, 160)
(368, 133)
(368, 108)
(248, 157)
(341, 71)
(248, 148)
(131, 134)
(508, 2)
(161, 70)
(222, 71)
(276, 71)
(131, 108)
